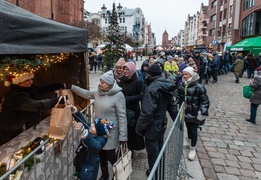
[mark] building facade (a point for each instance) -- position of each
(69, 12)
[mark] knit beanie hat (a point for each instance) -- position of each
(190, 70)
(18, 79)
(154, 70)
(120, 62)
(258, 69)
(108, 77)
(131, 66)
(103, 126)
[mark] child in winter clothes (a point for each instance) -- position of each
(93, 139)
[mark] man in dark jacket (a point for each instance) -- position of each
(152, 122)
(200, 64)
(22, 105)
(215, 65)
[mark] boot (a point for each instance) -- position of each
(192, 154)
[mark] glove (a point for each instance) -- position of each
(54, 100)
(80, 128)
(201, 117)
(68, 86)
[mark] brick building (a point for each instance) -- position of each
(67, 12)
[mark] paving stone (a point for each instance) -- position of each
(231, 146)
(246, 153)
(240, 143)
(221, 145)
(222, 150)
(218, 161)
(251, 144)
(222, 176)
(256, 160)
(216, 155)
(202, 155)
(234, 152)
(257, 155)
(209, 173)
(248, 173)
(244, 159)
(219, 169)
(257, 167)
(245, 165)
(232, 163)
(232, 170)
(213, 149)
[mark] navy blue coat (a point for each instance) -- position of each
(90, 167)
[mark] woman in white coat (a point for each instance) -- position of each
(110, 104)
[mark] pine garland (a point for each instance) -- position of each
(13, 66)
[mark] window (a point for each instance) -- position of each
(220, 16)
(248, 4)
(231, 11)
(214, 4)
(258, 23)
(225, 14)
(123, 20)
(120, 20)
(224, 31)
(247, 25)
(213, 18)
(212, 32)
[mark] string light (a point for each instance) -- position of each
(18, 66)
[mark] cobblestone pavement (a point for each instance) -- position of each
(229, 147)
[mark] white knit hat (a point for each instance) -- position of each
(190, 70)
(22, 78)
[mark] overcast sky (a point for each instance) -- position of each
(163, 15)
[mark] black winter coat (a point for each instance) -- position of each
(156, 100)
(22, 105)
(196, 99)
(132, 89)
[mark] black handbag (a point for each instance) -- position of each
(232, 69)
(130, 117)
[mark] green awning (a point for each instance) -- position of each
(248, 44)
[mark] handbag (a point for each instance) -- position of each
(122, 168)
(66, 92)
(247, 91)
(61, 120)
(130, 114)
(232, 68)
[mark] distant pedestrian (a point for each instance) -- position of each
(251, 65)
(152, 122)
(215, 66)
(255, 98)
(238, 67)
(195, 97)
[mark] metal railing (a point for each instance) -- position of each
(167, 165)
(56, 160)
(55, 165)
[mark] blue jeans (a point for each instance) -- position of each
(253, 109)
(227, 66)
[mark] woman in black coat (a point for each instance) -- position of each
(132, 89)
(195, 97)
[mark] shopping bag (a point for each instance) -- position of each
(61, 120)
(66, 92)
(247, 91)
(122, 168)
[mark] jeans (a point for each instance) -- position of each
(253, 109)
(250, 72)
(215, 75)
(227, 66)
(192, 130)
